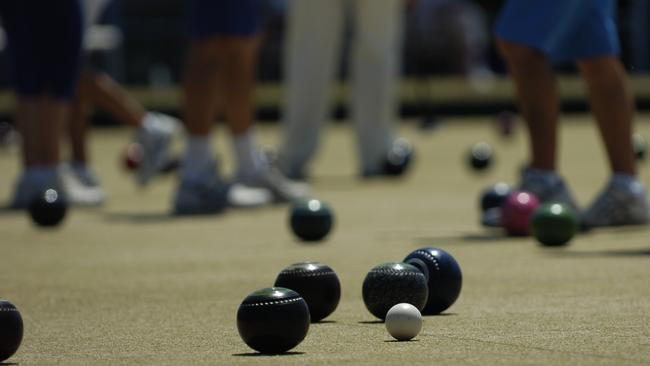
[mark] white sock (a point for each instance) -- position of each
(549, 177)
(198, 159)
(628, 182)
(249, 158)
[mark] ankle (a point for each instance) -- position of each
(628, 182)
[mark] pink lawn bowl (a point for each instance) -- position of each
(517, 211)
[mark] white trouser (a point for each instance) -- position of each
(315, 30)
(92, 10)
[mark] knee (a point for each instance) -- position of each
(205, 54)
(518, 54)
(596, 68)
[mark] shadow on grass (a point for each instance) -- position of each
(441, 314)
(491, 236)
(152, 217)
(396, 341)
(602, 253)
(347, 181)
(6, 211)
(8, 363)
(334, 181)
(371, 322)
(615, 229)
(140, 218)
(496, 235)
(257, 354)
(324, 322)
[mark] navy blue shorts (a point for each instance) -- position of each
(239, 18)
(564, 30)
(44, 43)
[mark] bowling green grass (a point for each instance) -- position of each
(126, 284)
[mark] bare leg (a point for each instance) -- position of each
(200, 86)
(238, 58)
(77, 124)
(40, 120)
(613, 107)
(197, 192)
(26, 116)
(538, 99)
(108, 95)
(237, 74)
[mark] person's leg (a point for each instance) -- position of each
(154, 131)
(81, 107)
(538, 99)
(312, 53)
(102, 91)
(200, 189)
(94, 88)
(375, 68)
(79, 180)
(77, 123)
(222, 65)
(237, 65)
(40, 120)
(524, 33)
(238, 61)
(200, 84)
(44, 42)
(613, 107)
(536, 89)
(623, 201)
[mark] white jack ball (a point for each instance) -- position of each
(403, 321)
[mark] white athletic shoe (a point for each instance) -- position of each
(272, 179)
(82, 186)
(618, 204)
(241, 196)
(155, 137)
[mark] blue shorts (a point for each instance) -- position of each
(44, 45)
(564, 30)
(208, 18)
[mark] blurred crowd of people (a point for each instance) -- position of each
(56, 91)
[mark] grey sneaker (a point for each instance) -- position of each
(210, 195)
(294, 173)
(196, 198)
(81, 186)
(547, 189)
(155, 137)
(26, 189)
(618, 204)
(290, 170)
(272, 179)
